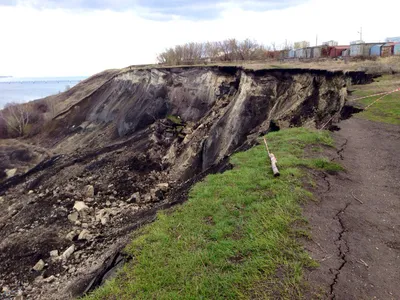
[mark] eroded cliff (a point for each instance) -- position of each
(135, 145)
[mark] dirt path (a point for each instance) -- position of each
(358, 244)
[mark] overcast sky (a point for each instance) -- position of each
(83, 37)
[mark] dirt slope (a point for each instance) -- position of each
(358, 244)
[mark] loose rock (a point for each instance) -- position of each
(39, 266)
(84, 235)
(89, 191)
(80, 205)
(10, 172)
(67, 253)
(50, 279)
(54, 253)
(135, 197)
(73, 217)
(162, 186)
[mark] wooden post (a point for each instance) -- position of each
(273, 159)
(273, 165)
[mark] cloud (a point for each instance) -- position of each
(159, 9)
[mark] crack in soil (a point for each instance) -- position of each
(340, 151)
(343, 248)
(328, 183)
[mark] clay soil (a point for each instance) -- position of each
(355, 224)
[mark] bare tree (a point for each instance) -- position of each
(16, 116)
(227, 50)
(52, 107)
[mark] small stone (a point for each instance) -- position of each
(104, 220)
(50, 279)
(80, 205)
(89, 191)
(1, 199)
(108, 203)
(30, 192)
(67, 253)
(71, 235)
(54, 253)
(163, 186)
(39, 266)
(10, 172)
(84, 235)
(85, 225)
(147, 198)
(135, 197)
(73, 217)
(6, 289)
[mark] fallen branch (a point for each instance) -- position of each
(273, 159)
(356, 198)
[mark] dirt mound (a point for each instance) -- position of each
(135, 145)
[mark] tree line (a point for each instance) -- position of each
(227, 50)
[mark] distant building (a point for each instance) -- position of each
(302, 44)
(330, 43)
(393, 40)
(357, 42)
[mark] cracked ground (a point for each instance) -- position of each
(355, 225)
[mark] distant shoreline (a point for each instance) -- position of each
(5, 76)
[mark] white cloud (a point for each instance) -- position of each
(55, 42)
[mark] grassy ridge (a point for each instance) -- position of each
(235, 236)
(387, 109)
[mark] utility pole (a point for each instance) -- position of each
(360, 32)
(316, 40)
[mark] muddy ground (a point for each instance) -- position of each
(355, 225)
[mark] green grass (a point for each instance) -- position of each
(236, 236)
(387, 109)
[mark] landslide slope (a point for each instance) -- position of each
(135, 144)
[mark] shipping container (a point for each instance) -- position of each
(308, 52)
(300, 53)
(396, 49)
(361, 49)
(376, 50)
(292, 53)
(387, 49)
(316, 52)
(337, 51)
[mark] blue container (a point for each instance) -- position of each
(396, 50)
(376, 50)
(291, 54)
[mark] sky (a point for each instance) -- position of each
(83, 37)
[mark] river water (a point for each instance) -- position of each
(15, 89)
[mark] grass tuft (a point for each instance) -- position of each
(234, 237)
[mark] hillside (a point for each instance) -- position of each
(126, 143)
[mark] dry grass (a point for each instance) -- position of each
(386, 65)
